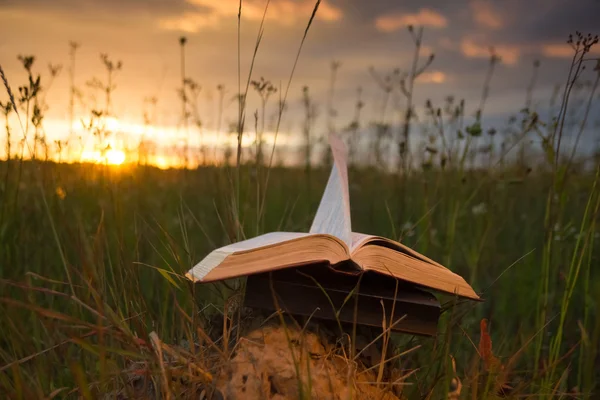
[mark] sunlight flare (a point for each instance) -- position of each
(115, 157)
(110, 157)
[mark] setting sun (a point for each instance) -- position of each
(111, 157)
(115, 157)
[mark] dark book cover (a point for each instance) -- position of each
(322, 291)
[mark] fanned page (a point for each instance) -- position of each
(387, 257)
(361, 239)
(333, 214)
(216, 257)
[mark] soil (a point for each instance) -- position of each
(280, 363)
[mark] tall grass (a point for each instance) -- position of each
(92, 257)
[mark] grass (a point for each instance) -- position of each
(128, 234)
(92, 256)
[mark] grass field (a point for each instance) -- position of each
(123, 237)
(92, 256)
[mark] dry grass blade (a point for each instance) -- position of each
(39, 353)
(506, 270)
(400, 380)
(45, 279)
(56, 392)
(282, 107)
(33, 288)
(455, 383)
(391, 358)
(202, 373)
(385, 342)
(157, 345)
(44, 312)
(212, 344)
(385, 332)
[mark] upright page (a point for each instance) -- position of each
(333, 214)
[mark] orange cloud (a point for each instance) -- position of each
(447, 44)
(190, 22)
(563, 50)
(426, 50)
(425, 17)
(286, 12)
(433, 77)
(509, 54)
(485, 15)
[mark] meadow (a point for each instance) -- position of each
(92, 256)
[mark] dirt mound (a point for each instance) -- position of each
(279, 363)
(270, 361)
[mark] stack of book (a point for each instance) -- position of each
(334, 273)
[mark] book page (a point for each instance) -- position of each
(333, 214)
(392, 258)
(361, 239)
(216, 257)
(387, 261)
(358, 239)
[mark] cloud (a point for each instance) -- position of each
(432, 77)
(446, 43)
(190, 22)
(425, 17)
(485, 15)
(509, 54)
(209, 13)
(564, 50)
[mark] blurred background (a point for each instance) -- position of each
(159, 79)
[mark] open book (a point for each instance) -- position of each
(330, 240)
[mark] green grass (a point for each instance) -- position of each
(128, 234)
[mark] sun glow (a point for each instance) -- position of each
(115, 157)
(111, 157)
(161, 162)
(129, 143)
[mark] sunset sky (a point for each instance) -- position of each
(144, 35)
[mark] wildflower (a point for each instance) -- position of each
(407, 229)
(60, 192)
(556, 227)
(479, 209)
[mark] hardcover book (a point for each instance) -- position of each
(331, 243)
